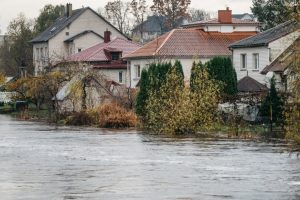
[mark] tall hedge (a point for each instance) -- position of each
(143, 93)
(151, 81)
(221, 68)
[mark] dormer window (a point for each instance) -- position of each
(115, 56)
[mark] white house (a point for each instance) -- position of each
(191, 43)
(253, 54)
(225, 23)
(75, 31)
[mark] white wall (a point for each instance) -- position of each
(113, 74)
(263, 53)
(278, 46)
(231, 28)
(185, 62)
(85, 41)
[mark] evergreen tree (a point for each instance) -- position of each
(273, 100)
(175, 109)
(48, 14)
(143, 94)
(272, 12)
(196, 67)
(179, 70)
(221, 69)
(151, 81)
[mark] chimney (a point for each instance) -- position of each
(69, 9)
(225, 16)
(107, 34)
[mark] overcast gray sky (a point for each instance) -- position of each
(9, 9)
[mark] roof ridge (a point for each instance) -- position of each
(101, 48)
(164, 42)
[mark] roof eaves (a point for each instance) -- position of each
(82, 33)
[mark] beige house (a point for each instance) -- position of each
(75, 31)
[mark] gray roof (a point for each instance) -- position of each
(80, 34)
(248, 84)
(241, 16)
(264, 38)
(152, 24)
(63, 22)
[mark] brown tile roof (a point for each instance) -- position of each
(250, 85)
(190, 43)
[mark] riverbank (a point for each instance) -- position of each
(258, 132)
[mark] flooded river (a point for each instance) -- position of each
(43, 162)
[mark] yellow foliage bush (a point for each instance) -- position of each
(114, 116)
(2, 78)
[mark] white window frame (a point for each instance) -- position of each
(243, 61)
(137, 71)
(255, 61)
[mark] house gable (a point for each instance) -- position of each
(84, 28)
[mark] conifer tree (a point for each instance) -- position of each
(273, 102)
(143, 94)
(221, 69)
(179, 70)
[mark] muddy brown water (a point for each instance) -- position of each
(39, 161)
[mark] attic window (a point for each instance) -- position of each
(115, 56)
(67, 33)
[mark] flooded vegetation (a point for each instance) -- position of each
(44, 162)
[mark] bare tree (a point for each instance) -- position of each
(139, 10)
(173, 10)
(198, 15)
(117, 12)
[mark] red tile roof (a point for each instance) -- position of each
(97, 52)
(190, 43)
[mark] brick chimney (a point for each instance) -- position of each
(69, 9)
(225, 16)
(107, 34)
